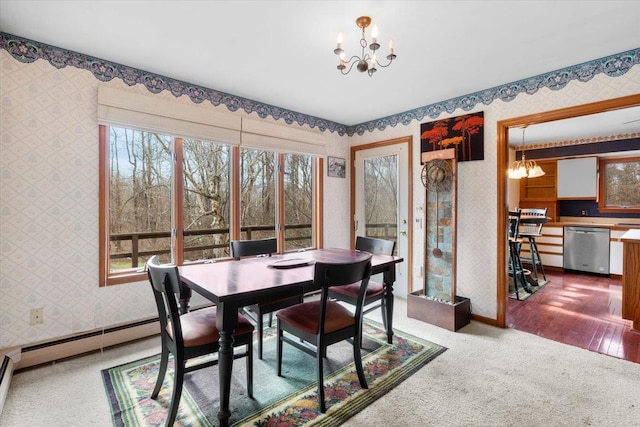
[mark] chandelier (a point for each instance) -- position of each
(525, 168)
(366, 61)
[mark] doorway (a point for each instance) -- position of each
(502, 181)
(381, 179)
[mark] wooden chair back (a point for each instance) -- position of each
(375, 246)
(242, 248)
(327, 275)
(531, 229)
(165, 282)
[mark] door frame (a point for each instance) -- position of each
(404, 140)
(502, 162)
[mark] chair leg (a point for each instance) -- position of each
(178, 379)
(535, 248)
(534, 263)
(319, 357)
(164, 361)
(250, 368)
(260, 333)
(512, 265)
(357, 358)
(279, 349)
(270, 319)
(520, 268)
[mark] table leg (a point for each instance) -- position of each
(389, 279)
(226, 321)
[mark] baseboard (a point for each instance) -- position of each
(74, 345)
(485, 320)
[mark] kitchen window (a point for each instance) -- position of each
(619, 189)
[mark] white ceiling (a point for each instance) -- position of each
(281, 52)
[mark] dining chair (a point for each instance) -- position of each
(189, 335)
(530, 231)
(256, 312)
(375, 291)
(320, 323)
(516, 269)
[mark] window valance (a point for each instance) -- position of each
(127, 109)
(272, 137)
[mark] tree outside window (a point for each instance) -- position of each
(173, 197)
(619, 185)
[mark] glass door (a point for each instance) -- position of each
(381, 201)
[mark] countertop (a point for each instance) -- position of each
(612, 223)
(631, 236)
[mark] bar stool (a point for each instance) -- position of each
(531, 221)
(516, 270)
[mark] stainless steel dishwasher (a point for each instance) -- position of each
(586, 249)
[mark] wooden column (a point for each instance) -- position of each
(631, 277)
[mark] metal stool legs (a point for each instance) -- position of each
(516, 267)
(535, 259)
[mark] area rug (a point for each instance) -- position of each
(524, 294)
(289, 400)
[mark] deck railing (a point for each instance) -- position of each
(383, 231)
(247, 233)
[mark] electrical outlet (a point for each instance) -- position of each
(37, 316)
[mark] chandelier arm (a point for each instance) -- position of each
(351, 64)
(384, 66)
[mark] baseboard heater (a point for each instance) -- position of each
(75, 345)
(6, 370)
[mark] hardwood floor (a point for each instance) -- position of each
(580, 310)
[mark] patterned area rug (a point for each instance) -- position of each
(524, 294)
(289, 400)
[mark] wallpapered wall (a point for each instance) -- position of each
(477, 195)
(49, 205)
(49, 199)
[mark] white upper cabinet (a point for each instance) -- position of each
(577, 178)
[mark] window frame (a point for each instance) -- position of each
(602, 190)
(107, 278)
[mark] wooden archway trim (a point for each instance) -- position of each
(501, 177)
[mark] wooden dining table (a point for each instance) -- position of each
(235, 284)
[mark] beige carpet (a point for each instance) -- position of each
(488, 377)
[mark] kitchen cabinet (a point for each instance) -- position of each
(615, 253)
(549, 245)
(577, 178)
(631, 277)
(543, 187)
(540, 193)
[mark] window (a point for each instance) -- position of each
(205, 200)
(175, 197)
(619, 185)
(298, 212)
(140, 172)
(258, 194)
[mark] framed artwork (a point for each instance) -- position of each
(336, 167)
(464, 133)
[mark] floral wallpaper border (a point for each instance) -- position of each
(26, 51)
